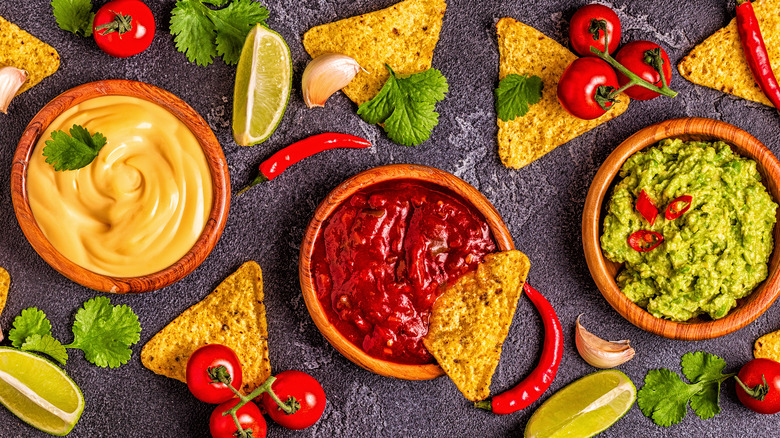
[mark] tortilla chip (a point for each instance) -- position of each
(524, 50)
(232, 315)
(471, 319)
(768, 347)
(5, 284)
(719, 61)
(402, 36)
(21, 50)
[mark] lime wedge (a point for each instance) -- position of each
(263, 83)
(585, 407)
(39, 392)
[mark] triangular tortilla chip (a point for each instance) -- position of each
(524, 50)
(471, 319)
(402, 36)
(5, 284)
(768, 347)
(719, 62)
(232, 315)
(21, 50)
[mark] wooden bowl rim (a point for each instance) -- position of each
(755, 304)
(187, 115)
(335, 198)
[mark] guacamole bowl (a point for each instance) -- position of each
(604, 271)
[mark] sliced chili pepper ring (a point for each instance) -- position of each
(645, 240)
(645, 207)
(678, 207)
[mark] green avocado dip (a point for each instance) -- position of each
(713, 254)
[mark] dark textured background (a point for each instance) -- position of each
(541, 204)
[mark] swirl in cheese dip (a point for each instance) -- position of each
(140, 206)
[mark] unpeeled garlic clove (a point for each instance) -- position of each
(11, 80)
(325, 75)
(601, 353)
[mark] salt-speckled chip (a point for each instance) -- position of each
(719, 62)
(524, 50)
(768, 347)
(232, 315)
(471, 319)
(21, 50)
(402, 36)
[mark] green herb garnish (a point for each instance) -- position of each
(74, 15)
(74, 151)
(515, 94)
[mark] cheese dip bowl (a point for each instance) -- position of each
(146, 211)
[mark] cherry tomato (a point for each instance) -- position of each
(751, 375)
(581, 38)
(632, 56)
(580, 83)
(123, 28)
(306, 390)
(200, 383)
(249, 417)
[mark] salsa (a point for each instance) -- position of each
(381, 257)
(715, 225)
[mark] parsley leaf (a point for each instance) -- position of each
(74, 151)
(30, 322)
(203, 33)
(74, 15)
(46, 344)
(105, 332)
(406, 105)
(515, 94)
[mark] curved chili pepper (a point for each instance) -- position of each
(755, 51)
(644, 240)
(533, 386)
(677, 207)
(645, 207)
(272, 167)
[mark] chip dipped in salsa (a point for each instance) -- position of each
(381, 257)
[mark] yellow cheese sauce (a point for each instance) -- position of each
(140, 205)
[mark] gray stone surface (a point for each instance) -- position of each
(542, 205)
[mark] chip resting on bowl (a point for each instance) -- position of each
(719, 61)
(21, 50)
(232, 315)
(402, 36)
(471, 319)
(768, 347)
(524, 50)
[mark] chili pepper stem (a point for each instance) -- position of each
(258, 179)
(484, 404)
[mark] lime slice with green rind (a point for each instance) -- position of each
(585, 407)
(39, 392)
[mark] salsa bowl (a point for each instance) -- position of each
(604, 271)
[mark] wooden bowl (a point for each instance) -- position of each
(605, 271)
(326, 208)
(214, 156)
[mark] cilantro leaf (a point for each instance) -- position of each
(406, 105)
(46, 344)
(105, 332)
(515, 94)
(234, 23)
(701, 366)
(29, 323)
(74, 151)
(74, 15)
(193, 32)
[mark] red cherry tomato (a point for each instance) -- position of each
(306, 390)
(249, 417)
(632, 56)
(579, 84)
(581, 38)
(123, 28)
(751, 376)
(200, 383)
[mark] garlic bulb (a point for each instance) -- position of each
(11, 80)
(601, 353)
(325, 75)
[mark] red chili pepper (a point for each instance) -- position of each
(645, 207)
(755, 51)
(677, 207)
(644, 240)
(533, 386)
(272, 167)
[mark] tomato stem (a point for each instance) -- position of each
(758, 392)
(121, 23)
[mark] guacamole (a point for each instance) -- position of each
(713, 254)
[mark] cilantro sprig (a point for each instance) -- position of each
(406, 105)
(104, 333)
(664, 398)
(515, 94)
(74, 15)
(74, 151)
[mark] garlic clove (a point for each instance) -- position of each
(600, 353)
(11, 80)
(325, 75)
